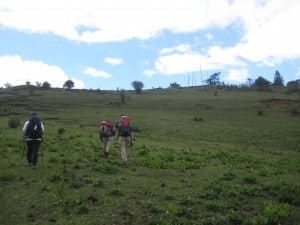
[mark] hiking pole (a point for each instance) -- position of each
(132, 150)
(24, 147)
(41, 150)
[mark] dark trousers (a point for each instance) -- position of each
(33, 148)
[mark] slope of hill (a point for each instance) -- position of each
(198, 158)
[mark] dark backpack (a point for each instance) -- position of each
(34, 129)
(105, 129)
(124, 126)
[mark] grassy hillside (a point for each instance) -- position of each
(200, 158)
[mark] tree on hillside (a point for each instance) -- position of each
(7, 85)
(293, 86)
(68, 84)
(214, 79)
(278, 80)
(174, 85)
(262, 84)
(46, 85)
(138, 86)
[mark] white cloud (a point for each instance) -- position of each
(272, 31)
(96, 73)
(149, 73)
(271, 36)
(238, 75)
(113, 61)
(180, 48)
(178, 63)
(78, 84)
(209, 36)
(298, 73)
(114, 20)
(17, 71)
(187, 61)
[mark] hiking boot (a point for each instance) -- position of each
(33, 166)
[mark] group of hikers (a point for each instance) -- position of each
(34, 129)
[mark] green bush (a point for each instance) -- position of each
(273, 214)
(61, 130)
(13, 122)
(260, 112)
(200, 119)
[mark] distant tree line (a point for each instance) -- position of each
(260, 84)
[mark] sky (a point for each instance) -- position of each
(108, 44)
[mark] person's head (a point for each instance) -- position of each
(33, 115)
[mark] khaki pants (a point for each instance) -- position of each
(124, 145)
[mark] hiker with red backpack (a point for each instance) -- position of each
(33, 131)
(124, 136)
(106, 136)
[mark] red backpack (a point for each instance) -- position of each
(105, 128)
(124, 126)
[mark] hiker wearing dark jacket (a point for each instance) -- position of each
(124, 136)
(33, 130)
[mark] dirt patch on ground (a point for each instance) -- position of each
(279, 101)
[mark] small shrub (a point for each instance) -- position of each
(116, 192)
(77, 166)
(106, 168)
(260, 112)
(289, 194)
(61, 130)
(54, 178)
(127, 215)
(214, 206)
(294, 111)
(169, 197)
(83, 209)
(92, 199)
(153, 207)
(228, 176)
(187, 201)
(235, 218)
(251, 179)
(198, 119)
(177, 210)
(146, 190)
(76, 184)
(273, 214)
(46, 188)
(135, 129)
(13, 122)
(99, 183)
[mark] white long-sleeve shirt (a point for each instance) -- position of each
(25, 128)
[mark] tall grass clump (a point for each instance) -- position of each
(14, 122)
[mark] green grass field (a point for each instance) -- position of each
(199, 158)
